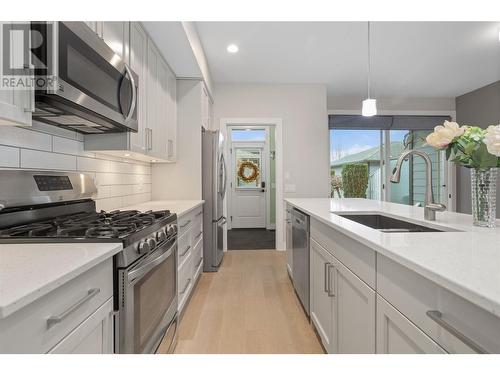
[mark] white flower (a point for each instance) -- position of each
(492, 139)
(444, 134)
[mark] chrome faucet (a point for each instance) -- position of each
(430, 207)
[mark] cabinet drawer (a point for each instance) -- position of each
(197, 255)
(185, 282)
(356, 256)
(184, 245)
(185, 223)
(38, 327)
(197, 229)
(415, 296)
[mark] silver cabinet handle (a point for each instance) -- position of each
(201, 260)
(327, 282)
(187, 286)
(185, 224)
(134, 94)
(53, 320)
(185, 251)
(330, 292)
(438, 318)
(198, 235)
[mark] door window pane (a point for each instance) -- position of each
(248, 164)
(248, 135)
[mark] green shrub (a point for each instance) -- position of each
(355, 180)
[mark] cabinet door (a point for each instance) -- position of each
(138, 55)
(354, 312)
(16, 105)
(116, 36)
(153, 100)
(321, 295)
(159, 130)
(93, 336)
(171, 116)
(397, 335)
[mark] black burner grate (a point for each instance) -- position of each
(115, 224)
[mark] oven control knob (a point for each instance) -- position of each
(152, 243)
(161, 236)
(144, 247)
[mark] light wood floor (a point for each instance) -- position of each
(249, 306)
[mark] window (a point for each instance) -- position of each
(248, 167)
(377, 145)
(248, 135)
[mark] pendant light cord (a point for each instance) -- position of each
(369, 60)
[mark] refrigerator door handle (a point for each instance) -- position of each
(224, 178)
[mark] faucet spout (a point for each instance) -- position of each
(430, 206)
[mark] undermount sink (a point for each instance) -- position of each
(389, 224)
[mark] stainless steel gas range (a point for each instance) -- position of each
(42, 207)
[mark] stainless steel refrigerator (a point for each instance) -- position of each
(214, 175)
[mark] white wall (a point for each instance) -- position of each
(182, 180)
(302, 108)
(120, 182)
(336, 103)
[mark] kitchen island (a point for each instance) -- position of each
(439, 283)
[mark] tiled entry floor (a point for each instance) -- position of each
(251, 239)
(249, 306)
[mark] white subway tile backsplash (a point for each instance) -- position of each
(120, 182)
(93, 165)
(47, 160)
(9, 157)
(18, 137)
(108, 178)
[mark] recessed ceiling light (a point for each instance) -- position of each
(232, 48)
(153, 160)
(127, 155)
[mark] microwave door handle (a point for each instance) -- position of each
(134, 94)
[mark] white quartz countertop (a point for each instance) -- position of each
(29, 271)
(465, 261)
(180, 207)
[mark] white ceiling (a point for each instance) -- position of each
(409, 59)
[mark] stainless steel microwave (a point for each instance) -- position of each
(91, 89)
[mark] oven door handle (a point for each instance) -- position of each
(150, 264)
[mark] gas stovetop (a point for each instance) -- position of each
(117, 225)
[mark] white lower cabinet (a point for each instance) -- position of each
(397, 335)
(354, 312)
(189, 255)
(342, 305)
(93, 336)
(75, 317)
(363, 302)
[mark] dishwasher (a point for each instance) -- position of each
(300, 256)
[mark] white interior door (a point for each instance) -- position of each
(248, 185)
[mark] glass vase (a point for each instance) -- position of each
(483, 189)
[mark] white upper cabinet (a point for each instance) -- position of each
(138, 63)
(171, 116)
(16, 105)
(156, 138)
(116, 35)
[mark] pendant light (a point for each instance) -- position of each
(369, 105)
